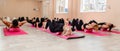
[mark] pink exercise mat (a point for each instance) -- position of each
(73, 36)
(113, 31)
(117, 32)
(9, 33)
(96, 33)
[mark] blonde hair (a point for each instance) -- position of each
(96, 27)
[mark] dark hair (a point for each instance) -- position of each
(34, 18)
(48, 20)
(22, 19)
(54, 18)
(53, 21)
(102, 23)
(15, 23)
(110, 27)
(57, 19)
(37, 20)
(92, 21)
(84, 26)
(26, 17)
(77, 19)
(42, 19)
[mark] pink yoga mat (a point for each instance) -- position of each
(8, 33)
(113, 31)
(73, 36)
(96, 33)
(117, 32)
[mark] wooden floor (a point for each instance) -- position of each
(37, 40)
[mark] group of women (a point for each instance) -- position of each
(66, 27)
(91, 26)
(61, 26)
(55, 25)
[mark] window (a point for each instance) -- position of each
(93, 6)
(61, 6)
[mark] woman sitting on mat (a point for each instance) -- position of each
(105, 26)
(14, 25)
(67, 31)
(87, 27)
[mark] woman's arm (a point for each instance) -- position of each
(22, 23)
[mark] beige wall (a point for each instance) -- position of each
(112, 14)
(16, 8)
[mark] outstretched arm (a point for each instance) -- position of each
(22, 23)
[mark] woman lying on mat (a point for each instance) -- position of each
(94, 24)
(87, 27)
(105, 26)
(14, 25)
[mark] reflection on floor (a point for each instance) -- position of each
(37, 40)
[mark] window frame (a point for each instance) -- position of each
(58, 3)
(94, 5)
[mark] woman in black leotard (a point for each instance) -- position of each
(79, 25)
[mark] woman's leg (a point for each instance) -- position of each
(67, 32)
(8, 24)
